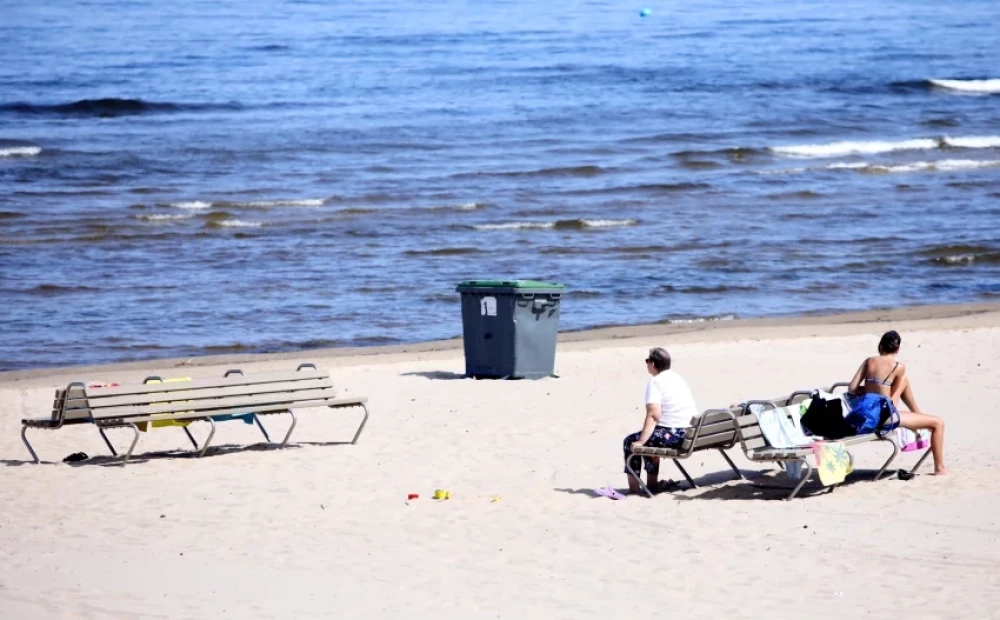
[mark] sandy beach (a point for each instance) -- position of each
(324, 530)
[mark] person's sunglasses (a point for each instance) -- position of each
(648, 361)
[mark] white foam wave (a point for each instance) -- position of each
(724, 317)
(20, 151)
(238, 224)
(163, 217)
(608, 223)
(854, 165)
(515, 226)
(965, 164)
(265, 204)
(837, 149)
(192, 204)
(960, 258)
(469, 206)
(970, 86)
(973, 142)
(918, 166)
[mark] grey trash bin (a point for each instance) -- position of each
(509, 327)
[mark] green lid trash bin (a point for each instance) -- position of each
(509, 327)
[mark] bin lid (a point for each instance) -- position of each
(521, 285)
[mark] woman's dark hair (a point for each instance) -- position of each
(889, 343)
(660, 358)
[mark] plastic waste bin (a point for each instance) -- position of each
(509, 327)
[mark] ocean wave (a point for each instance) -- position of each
(697, 164)
(443, 252)
(162, 217)
(110, 107)
(707, 290)
(267, 204)
(973, 142)
(835, 149)
(20, 151)
(58, 289)
(192, 204)
(564, 171)
(734, 154)
(961, 260)
(655, 188)
(465, 206)
(961, 254)
(876, 147)
(438, 298)
(945, 165)
(249, 204)
(356, 211)
(233, 224)
(698, 319)
(574, 224)
(969, 86)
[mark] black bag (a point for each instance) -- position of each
(826, 419)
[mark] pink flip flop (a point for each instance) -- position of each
(609, 493)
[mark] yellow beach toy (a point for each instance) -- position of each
(442, 494)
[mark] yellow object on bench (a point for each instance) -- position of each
(142, 426)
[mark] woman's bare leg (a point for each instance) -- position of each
(918, 421)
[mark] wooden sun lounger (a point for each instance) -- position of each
(232, 397)
(757, 449)
(714, 429)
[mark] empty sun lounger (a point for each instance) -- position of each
(234, 396)
(757, 448)
(714, 429)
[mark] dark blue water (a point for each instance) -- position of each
(188, 178)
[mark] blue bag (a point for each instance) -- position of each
(872, 413)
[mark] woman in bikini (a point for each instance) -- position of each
(882, 379)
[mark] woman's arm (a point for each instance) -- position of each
(898, 385)
(858, 376)
(649, 425)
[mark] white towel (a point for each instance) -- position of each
(781, 427)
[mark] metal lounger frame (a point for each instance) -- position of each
(778, 458)
(133, 424)
(691, 449)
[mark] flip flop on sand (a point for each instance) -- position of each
(609, 493)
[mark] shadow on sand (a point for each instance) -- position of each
(438, 375)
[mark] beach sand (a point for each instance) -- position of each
(325, 530)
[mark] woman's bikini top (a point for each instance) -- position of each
(883, 382)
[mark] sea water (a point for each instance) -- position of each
(191, 178)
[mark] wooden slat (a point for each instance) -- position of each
(146, 388)
(754, 442)
(258, 409)
(778, 453)
(711, 418)
(709, 429)
(719, 439)
(180, 391)
(287, 398)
